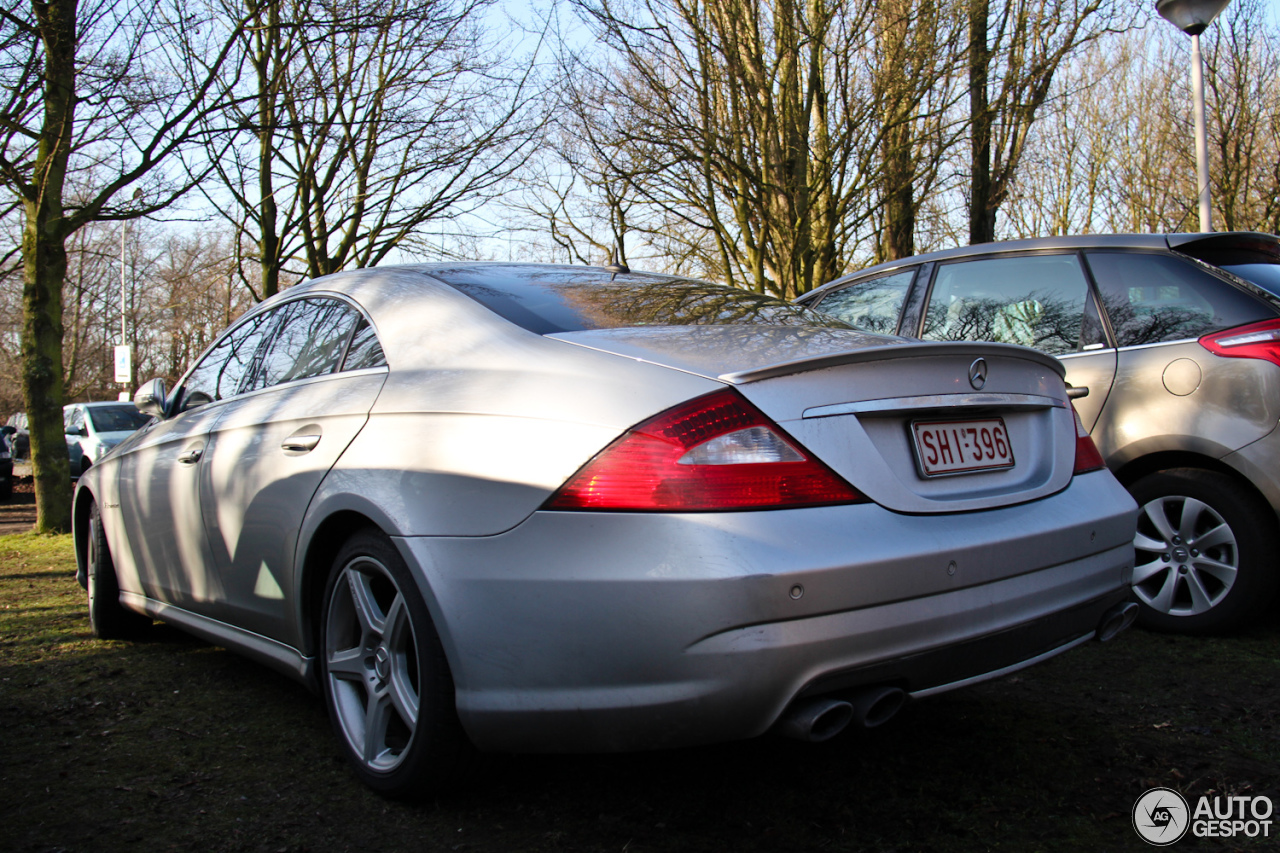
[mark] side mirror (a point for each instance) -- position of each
(150, 398)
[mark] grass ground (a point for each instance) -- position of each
(173, 744)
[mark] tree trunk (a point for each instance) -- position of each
(44, 262)
(982, 214)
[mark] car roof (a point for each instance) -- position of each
(1151, 242)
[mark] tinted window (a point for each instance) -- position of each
(871, 305)
(1255, 265)
(365, 351)
(1037, 301)
(219, 373)
(117, 418)
(72, 420)
(547, 306)
(308, 342)
(1154, 298)
(1265, 275)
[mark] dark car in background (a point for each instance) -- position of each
(1172, 346)
(6, 462)
(20, 438)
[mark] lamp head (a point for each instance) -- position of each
(1190, 16)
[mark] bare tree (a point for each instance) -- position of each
(913, 88)
(740, 128)
(1015, 49)
(369, 120)
(97, 97)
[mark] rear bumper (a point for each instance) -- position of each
(592, 631)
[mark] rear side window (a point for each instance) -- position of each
(1035, 300)
(364, 351)
(308, 342)
(1156, 298)
(873, 306)
(220, 372)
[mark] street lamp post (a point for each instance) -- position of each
(1193, 17)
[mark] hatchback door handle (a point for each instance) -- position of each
(191, 455)
(301, 443)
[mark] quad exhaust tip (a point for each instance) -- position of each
(822, 718)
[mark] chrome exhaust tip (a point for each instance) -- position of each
(1115, 620)
(875, 706)
(815, 720)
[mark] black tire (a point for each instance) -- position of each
(387, 648)
(108, 618)
(1205, 553)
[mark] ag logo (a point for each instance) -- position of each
(1161, 816)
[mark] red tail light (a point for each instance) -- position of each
(1087, 456)
(717, 452)
(1257, 340)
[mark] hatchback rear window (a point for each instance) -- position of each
(548, 306)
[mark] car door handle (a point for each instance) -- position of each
(301, 443)
(1074, 393)
(191, 455)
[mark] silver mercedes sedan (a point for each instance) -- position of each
(553, 508)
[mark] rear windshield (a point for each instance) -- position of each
(1265, 275)
(1262, 268)
(117, 418)
(549, 307)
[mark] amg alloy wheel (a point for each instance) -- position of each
(386, 681)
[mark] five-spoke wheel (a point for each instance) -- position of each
(386, 680)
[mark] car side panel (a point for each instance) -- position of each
(161, 549)
(1180, 396)
(254, 490)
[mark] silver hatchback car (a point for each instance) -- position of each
(561, 508)
(1171, 344)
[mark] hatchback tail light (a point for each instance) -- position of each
(1087, 456)
(716, 452)
(1257, 340)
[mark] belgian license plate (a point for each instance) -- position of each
(960, 447)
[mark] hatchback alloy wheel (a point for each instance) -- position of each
(1202, 552)
(1187, 558)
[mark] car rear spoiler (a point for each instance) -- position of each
(926, 349)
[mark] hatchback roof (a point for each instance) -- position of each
(1254, 240)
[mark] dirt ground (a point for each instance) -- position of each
(168, 743)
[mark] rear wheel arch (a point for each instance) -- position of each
(1134, 470)
(324, 543)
